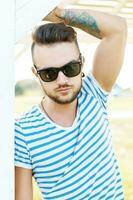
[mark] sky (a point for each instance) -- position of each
(23, 64)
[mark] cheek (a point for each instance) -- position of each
(77, 80)
(48, 87)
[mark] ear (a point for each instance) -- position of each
(83, 60)
(33, 69)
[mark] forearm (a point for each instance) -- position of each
(23, 184)
(96, 23)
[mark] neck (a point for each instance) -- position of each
(63, 114)
(59, 108)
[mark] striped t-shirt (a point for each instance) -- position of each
(71, 163)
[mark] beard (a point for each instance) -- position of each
(61, 98)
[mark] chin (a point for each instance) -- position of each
(65, 100)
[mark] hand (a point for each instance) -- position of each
(56, 15)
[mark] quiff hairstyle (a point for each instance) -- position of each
(51, 33)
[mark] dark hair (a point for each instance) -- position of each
(52, 33)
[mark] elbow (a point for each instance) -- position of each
(117, 27)
(121, 30)
(124, 31)
(122, 27)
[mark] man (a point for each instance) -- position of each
(65, 142)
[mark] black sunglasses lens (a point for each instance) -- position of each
(72, 69)
(48, 75)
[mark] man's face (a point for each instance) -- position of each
(63, 89)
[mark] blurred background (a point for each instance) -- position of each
(120, 106)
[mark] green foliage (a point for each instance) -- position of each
(27, 86)
(19, 90)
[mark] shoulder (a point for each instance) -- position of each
(28, 117)
(26, 121)
(91, 87)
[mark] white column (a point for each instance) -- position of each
(7, 33)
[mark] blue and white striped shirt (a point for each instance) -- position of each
(71, 163)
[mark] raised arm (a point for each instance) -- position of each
(23, 184)
(112, 30)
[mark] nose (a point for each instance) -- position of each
(61, 79)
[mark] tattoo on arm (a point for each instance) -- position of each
(83, 21)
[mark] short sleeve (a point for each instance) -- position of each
(92, 87)
(22, 155)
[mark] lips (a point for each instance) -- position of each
(63, 89)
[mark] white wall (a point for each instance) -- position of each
(17, 17)
(7, 31)
(30, 12)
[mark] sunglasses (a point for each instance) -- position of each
(70, 69)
